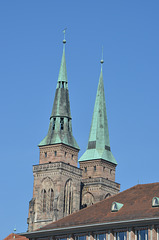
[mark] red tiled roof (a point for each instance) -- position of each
(11, 237)
(137, 205)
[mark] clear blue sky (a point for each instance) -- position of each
(30, 55)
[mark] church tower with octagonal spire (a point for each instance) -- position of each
(60, 187)
(57, 179)
(98, 163)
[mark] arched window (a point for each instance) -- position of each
(68, 197)
(87, 199)
(51, 199)
(107, 195)
(43, 193)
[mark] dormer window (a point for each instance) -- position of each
(116, 206)
(62, 84)
(54, 120)
(68, 124)
(155, 202)
(61, 123)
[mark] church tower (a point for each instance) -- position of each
(57, 180)
(98, 163)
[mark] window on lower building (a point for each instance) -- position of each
(45, 154)
(101, 236)
(85, 169)
(81, 237)
(55, 153)
(94, 168)
(142, 234)
(121, 236)
(61, 238)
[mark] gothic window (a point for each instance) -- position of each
(61, 123)
(87, 199)
(85, 169)
(45, 154)
(107, 195)
(54, 120)
(43, 193)
(68, 197)
(51, 199)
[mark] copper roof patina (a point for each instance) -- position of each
(98, 143)
(61, 112)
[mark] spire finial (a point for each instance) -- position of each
(102, 61)
(14, 232)
(64, 32)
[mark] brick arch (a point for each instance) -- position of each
(87, 199)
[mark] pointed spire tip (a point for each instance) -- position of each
(64, 32)
(102, 61)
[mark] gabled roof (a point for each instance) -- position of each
(137, 204)
(11, 237)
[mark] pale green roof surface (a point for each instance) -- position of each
(98, 143)
(63, 71)
(61, 110)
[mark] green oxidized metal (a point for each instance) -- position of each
(60, 127)
(98, 143)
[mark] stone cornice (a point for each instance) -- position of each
(100, 180)
(56, 166)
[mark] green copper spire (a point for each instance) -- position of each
(60, 127)
(98, 143)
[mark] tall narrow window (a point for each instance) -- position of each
(101, 236)
(54, 120)
(62, 84)
(94, 168)
(121, 236)
(81, 237)
(51, 199)
(68, 124)
(61, 123)
(142, 234)
(43, 193)
(68, 197)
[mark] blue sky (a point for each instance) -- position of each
(30, 55)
